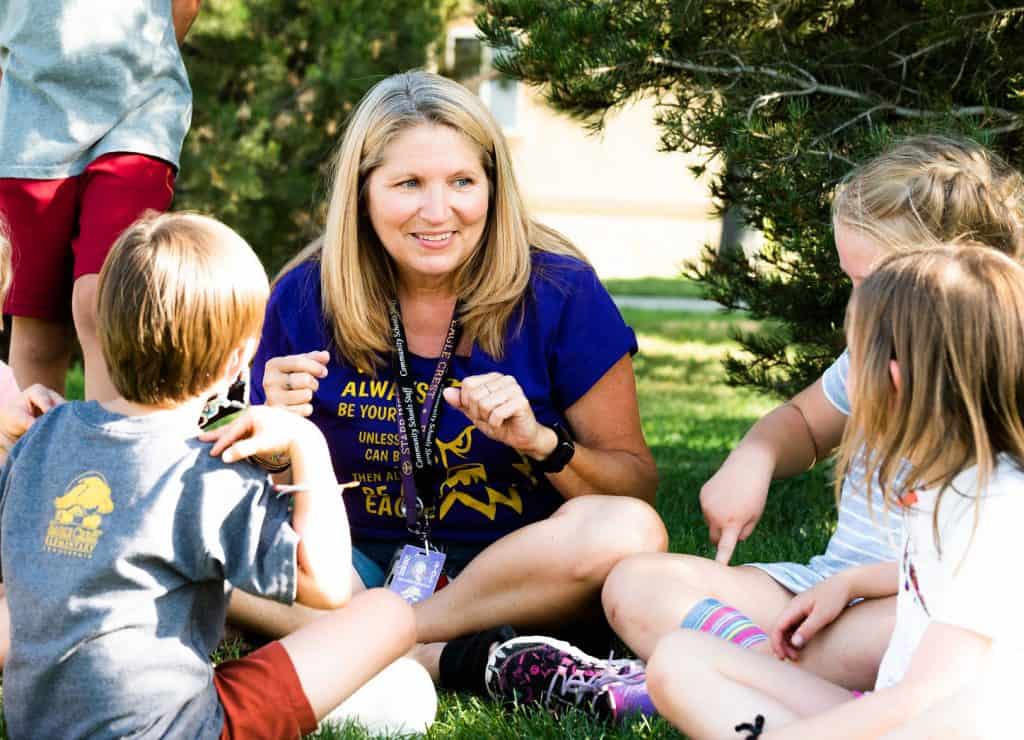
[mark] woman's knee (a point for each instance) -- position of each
(610, 528)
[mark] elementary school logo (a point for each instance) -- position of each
(75, 527)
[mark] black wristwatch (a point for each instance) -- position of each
(561, 455)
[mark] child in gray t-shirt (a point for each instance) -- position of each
(121, 525)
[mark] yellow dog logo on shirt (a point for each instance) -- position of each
(75, 527)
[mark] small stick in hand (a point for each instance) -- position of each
(295, 488)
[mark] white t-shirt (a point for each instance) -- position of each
(972, 583)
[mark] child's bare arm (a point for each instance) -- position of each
(816, 608)
(318, 515)
(784, 442)
(184, 13)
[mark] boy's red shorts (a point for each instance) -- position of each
(263, 697)
(62, 229)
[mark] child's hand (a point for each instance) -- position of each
(290, 381)
(732, 501)
(259, 430)
(807, 614)
(19, 416)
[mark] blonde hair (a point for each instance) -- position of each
(178, 294)
(357, 275)
(928, 190)
(952, 317)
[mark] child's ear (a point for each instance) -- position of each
(894, 373)
(240, 358)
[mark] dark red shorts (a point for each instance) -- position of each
(62, 229)
(262, 697)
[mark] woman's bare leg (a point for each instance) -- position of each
(272, 618)
(545, 573)
(536, 577)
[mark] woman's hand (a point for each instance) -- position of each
(497, 406)
(290, 381)
(807, 614)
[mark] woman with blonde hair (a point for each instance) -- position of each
(473, 379)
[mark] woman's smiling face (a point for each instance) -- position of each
(427, 202)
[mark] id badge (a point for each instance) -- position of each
(415, 573)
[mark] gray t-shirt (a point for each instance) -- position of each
(117, 535)
(83, 78)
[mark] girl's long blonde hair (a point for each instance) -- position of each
(358, 277)
(929, 190)
(952, 317)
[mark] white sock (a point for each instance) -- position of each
(399, 699)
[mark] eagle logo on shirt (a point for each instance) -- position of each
(460, 477)
(74, 529)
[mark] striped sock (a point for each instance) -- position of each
(714, 617)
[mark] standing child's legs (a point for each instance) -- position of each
(41, 217)
(706, 686)
(648, 596)
(115, 190)
(61, 231)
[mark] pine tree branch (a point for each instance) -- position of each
(812, 88)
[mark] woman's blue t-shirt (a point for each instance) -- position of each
(571, 333)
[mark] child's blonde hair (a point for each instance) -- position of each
(952, 318)
(178, 294)
(928, 190)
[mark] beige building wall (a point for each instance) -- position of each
(635, 211)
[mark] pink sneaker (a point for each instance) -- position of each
(554, 674)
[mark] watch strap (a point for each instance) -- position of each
(563, 452)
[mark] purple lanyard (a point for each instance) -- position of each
(416, 436)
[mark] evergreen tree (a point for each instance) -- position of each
(273, 83)
(794, 94)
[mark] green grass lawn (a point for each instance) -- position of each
(691, 420)
(678, 287)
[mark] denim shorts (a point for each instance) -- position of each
(372, 558)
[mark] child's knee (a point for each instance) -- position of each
(627, 584)
(395, 615)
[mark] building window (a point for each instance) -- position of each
(469, 60)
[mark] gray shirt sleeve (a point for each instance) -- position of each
(833, 382)
(247, 537)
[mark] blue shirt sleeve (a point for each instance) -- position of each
(287, 310)
(590, 335)
(833, 382)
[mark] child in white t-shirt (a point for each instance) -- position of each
(938, 371)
